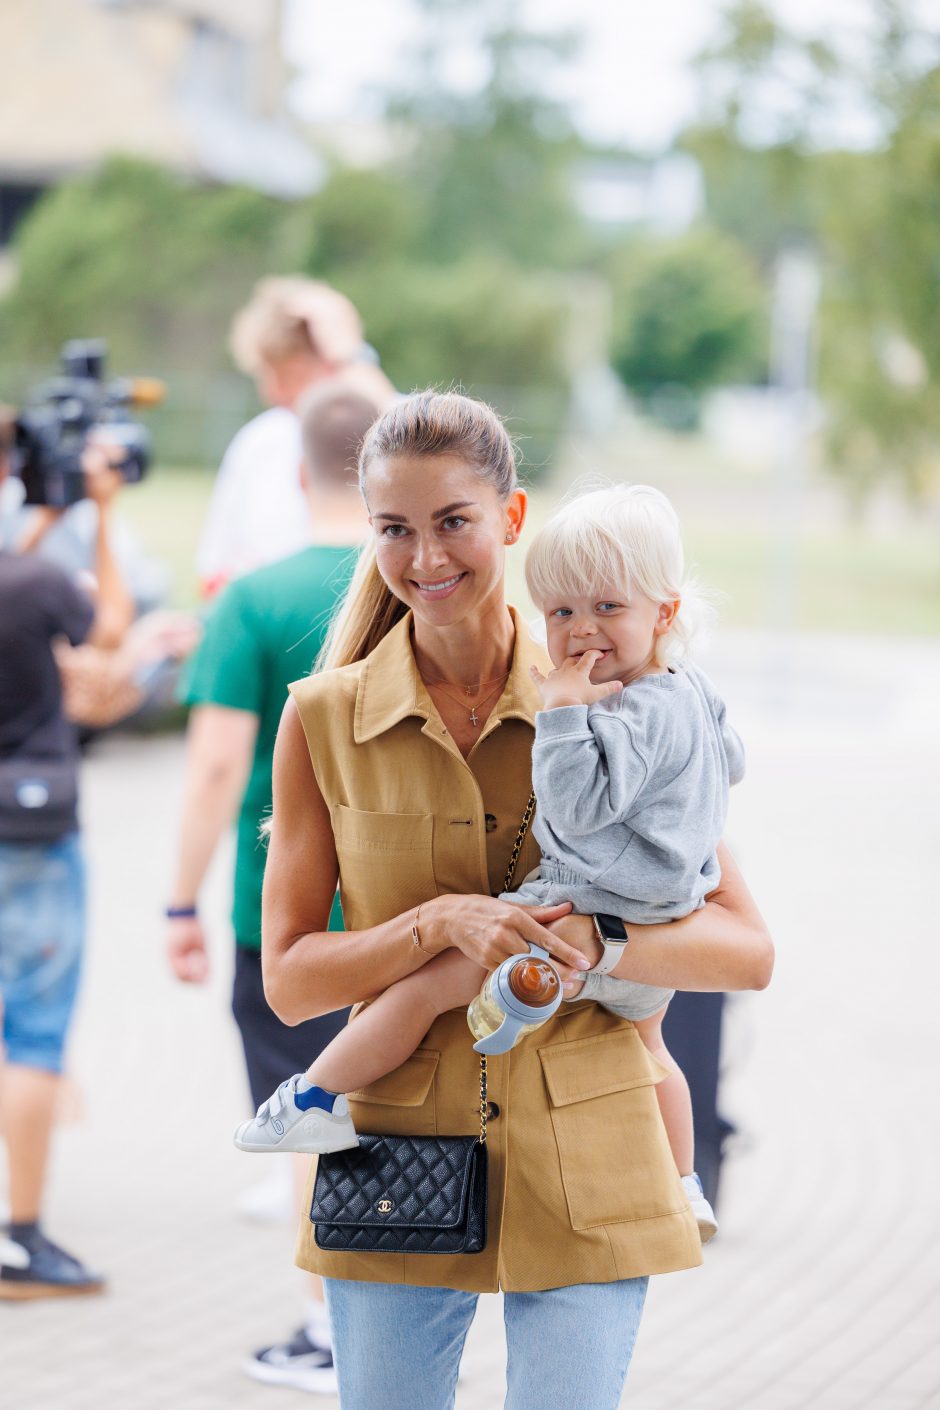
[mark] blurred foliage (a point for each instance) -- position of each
(464, 249)
(135, 254)
(688, 312)
(491, 165)
(881, 331)
(774, 178)
(479, 322)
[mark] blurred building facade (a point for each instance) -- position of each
(197, 85)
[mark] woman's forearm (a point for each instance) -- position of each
(711, 950)
(322, 971)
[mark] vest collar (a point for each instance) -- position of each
(390, 688)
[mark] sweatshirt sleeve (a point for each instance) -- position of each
(730, 739)
(731, 742)
(586, 773)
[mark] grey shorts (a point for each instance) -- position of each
(621, 996)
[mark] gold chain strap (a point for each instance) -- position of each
(507, 886)
(517, 845)
(484, 1105)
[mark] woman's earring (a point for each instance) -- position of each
(509, 538)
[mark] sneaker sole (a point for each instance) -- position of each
(295, 1147)
(26, 1292)
(313, 1380)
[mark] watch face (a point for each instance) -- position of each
(611, 927)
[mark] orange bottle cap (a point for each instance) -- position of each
(534, 982)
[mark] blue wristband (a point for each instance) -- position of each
(180, 912)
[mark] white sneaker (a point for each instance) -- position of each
(309, 1120)
(704, 1214)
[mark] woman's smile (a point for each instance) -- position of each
(442, 587)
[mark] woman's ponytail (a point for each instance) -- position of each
(368, 612)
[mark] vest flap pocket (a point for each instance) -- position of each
(604, 1111)
(408, 1085)
(594, 1067)
(356, 831)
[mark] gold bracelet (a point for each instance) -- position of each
(415, 937)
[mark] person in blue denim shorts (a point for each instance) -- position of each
(42, 887)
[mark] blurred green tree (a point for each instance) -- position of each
(776, 173)
(134, 254)
(491, 151)
(689, 312)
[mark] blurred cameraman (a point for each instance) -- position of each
(42, 873)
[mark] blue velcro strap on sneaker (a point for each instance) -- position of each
(315, 1096)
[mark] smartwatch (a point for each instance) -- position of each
(612, 933)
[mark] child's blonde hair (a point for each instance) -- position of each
(624, 538)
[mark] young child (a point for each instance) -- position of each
(631, 767)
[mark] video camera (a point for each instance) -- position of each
(53, 428)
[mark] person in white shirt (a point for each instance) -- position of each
(292, 334)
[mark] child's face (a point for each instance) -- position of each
(625, 631)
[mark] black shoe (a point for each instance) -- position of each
(299, 1363)
(33, 1266)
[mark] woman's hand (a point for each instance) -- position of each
(488, 931)
(577, 931)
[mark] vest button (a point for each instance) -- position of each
(490, 822)
(492, 1111)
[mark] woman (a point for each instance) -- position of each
(404, 775)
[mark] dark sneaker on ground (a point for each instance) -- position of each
(299, 1363)
(33, 1266)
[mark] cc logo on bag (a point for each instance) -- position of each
(385, 1206)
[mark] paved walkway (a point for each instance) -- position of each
(823, 1291)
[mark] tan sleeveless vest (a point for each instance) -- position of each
(583, 1188)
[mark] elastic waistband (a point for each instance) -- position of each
(550, 870)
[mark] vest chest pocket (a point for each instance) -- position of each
(604, 1112)
(386, 862)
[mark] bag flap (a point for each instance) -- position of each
(594, 1067)
(404, 1182)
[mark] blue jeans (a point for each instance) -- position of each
(399, 1348)
(42, 935)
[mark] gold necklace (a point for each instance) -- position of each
(474, 720)
(467, 689)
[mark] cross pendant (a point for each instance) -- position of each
(473, 716)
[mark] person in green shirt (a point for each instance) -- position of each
(266, 631)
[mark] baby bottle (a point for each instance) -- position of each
(516, 998)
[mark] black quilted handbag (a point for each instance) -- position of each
(409, 1194)
(403, 1194)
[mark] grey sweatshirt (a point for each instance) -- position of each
(633, 792)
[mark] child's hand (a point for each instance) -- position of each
(570, 683)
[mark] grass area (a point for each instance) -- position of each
(853, 578)
(844, 580)
(167, 512)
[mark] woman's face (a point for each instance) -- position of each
(441, 534)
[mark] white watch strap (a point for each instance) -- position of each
(609, 960)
